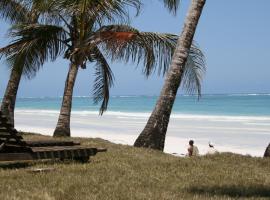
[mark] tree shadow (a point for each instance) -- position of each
(14, 165)
(27, 164)
(233, 190)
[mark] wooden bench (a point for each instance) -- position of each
(14, 148)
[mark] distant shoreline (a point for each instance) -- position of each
(155, 95)
(245, 136)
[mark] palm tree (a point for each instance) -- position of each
(14, 12)
(76, 28)
(154, 133)
(118, 41)
(267, 151)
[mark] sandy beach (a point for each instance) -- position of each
(244, 135)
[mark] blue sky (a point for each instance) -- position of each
(234, 35)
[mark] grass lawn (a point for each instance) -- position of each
(126, 172)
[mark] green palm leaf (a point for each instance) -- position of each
(99, 11)
(103, 81)
(172, 5)
(13, 11)
(122, 42)
(33, 45)
(194, 70)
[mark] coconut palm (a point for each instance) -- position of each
(267, 151)
(14, 12)
(154, 133)
(80, 31)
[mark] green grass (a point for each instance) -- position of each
(126, 172)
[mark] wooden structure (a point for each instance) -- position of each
(14, 148)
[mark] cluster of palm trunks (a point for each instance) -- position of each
(14, 148)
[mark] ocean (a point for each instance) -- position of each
(221, 105)
(238, 123)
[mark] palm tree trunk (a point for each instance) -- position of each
(9, 100)
(63, 124)
(267, 151)
(154, 133)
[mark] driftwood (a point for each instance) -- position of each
(14, 148)
(267, 151)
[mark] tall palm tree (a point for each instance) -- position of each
(154, 133)
(267, 151)
(14, 12)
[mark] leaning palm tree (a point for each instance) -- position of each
(154, 133)
(77, 29)
(14, 12)
(267, 151)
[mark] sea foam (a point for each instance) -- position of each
(147, 115)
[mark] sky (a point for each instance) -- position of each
(234, 36)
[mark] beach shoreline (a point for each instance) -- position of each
(242, 135)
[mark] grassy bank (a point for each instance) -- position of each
(130, 173)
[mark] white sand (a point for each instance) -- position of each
(244, 135)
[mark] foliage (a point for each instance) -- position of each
(172, 5)
(81, 32)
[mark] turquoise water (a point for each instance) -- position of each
(228, 105)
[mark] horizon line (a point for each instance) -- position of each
(154, 95)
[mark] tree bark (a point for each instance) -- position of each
(267, 152)
(154, 134)
(9, 100)
(63, 125)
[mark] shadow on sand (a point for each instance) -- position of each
(233, 191)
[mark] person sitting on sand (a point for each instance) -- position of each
(192, 149)
(211, 150)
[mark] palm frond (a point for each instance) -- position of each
(113, 9)
(122, 42)
(13, 11)
(49, 11)
(103, 81)
(100, 11)
(32, 46)
(194, 70)
(172, 5)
